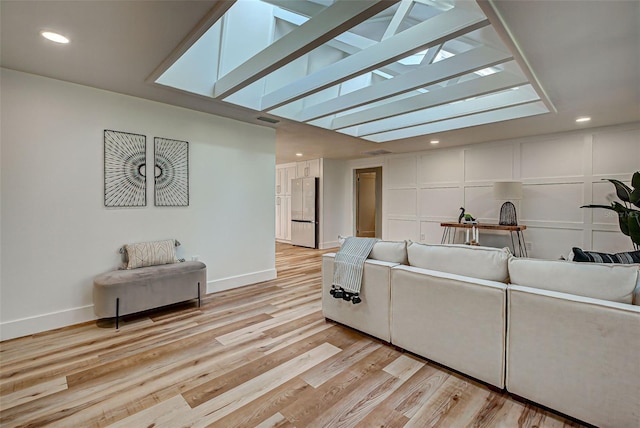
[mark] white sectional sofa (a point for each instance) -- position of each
(562, 334)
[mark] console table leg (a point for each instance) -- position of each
(117, 313)
(521, 244)
(513, 244)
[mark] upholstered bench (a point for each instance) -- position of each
(123, 292)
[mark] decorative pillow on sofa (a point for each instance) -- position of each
(143, 254)
(594, 257)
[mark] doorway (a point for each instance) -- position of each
(368, 201)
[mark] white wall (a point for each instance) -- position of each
(56, 232)
(333, 204)
(560, 173)
(339, 216)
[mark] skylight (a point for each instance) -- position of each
(377, 70)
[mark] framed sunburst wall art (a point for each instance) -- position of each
(125, 182)
(171, 172)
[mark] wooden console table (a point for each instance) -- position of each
(449, 235)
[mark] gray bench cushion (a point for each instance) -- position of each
(147, 288)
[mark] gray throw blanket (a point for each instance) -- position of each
(349, 266)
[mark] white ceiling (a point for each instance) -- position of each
(585, 55)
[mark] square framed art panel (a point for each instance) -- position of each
(125, 181)
(171, 172)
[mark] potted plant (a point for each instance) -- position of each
(628, 217)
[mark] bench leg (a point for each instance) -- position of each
(117, 313)
(198, 294)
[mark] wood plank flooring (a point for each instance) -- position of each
(258, 356)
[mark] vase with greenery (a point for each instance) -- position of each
(628, 216)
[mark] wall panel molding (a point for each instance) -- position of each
(558, 169)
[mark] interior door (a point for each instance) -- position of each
(368, 202)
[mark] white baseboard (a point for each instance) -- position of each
(39, 323)
(331, 244)
(240, 280)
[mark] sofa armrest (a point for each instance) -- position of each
(455, 320)
(575, 354)
(372, 314)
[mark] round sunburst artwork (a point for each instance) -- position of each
(171, 172)
(125, 183)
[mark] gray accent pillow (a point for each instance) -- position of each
(143, 254)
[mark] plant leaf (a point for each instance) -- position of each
(606, 207)
(633, 224)
(635, 180)
(635, 197)
(622, 190)
(623, 216)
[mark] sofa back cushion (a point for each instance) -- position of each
(390, 251)
(474, 261)
(386, 251)
(613, 282)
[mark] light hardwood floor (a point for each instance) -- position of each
(261, 356)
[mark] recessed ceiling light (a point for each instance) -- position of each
(583, 119)
(298, 154)
(55, 37)
(435, 141)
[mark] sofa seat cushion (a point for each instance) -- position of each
(473, 261)
(612, 282)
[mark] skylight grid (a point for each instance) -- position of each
(466, 107)
(492, 116)
(377, 70)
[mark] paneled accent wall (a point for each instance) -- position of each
(559, 172)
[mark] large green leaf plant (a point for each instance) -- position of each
(628, 217)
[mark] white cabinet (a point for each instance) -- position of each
(309, 168)
(284, 175)
(280, 179)
(278, 215)
(283, 218)
(290, 175)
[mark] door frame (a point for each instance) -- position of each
(378, 171)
